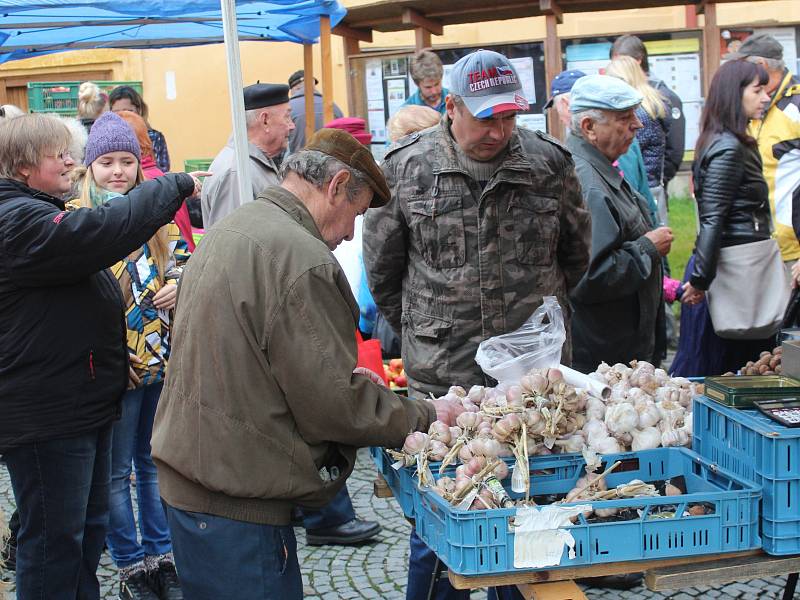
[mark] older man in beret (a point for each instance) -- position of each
(269, 121)
(297, 101)
(618, 303)
(263, 407)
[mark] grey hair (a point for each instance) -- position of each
(595, 114)
(318, 169)
(773, 64)
(426, 65)
(251, 116)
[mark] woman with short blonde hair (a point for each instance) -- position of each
(409, 119)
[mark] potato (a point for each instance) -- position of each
(763, 369)
(776, 360)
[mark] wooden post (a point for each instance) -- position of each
(308, 88)
(711, 51)
(351, 47)
(327, 68)
(552, 66)
(422, 38)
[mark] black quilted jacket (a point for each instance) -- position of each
(732, 200)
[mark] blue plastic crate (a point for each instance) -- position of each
(549, 470)
(762, 451)
(482, 542)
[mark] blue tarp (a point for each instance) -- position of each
(32, 28)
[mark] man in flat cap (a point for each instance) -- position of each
(778, 136)
(297, 101)
(269, 122)
(485, 220)
(263, 395)
(618, 303)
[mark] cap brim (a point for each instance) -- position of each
(549, 103)
(482, 107)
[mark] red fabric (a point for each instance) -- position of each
(354, 126)
(370, 356)
(182, 220)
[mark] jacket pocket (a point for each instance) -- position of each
(426, 346)
(438, 224)
(536, 229)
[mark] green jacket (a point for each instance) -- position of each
(451, 265)
(260, 395)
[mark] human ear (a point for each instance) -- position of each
(338, 185)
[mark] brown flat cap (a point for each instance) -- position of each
(344, 147)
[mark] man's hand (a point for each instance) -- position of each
(166, 297)
(447, 411)
(373, 376)
(661, 238)
(198, 184)
(133, 378)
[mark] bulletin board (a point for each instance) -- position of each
(383, 83)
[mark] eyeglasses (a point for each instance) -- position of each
(63, 156)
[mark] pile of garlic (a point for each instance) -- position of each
(646, 409)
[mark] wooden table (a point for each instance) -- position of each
(664, 574)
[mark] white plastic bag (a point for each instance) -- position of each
(537, 344)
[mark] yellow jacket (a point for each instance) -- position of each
(778, 135)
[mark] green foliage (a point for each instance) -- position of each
(683, 221)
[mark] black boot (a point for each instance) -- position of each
(136, 586)
(352, 532)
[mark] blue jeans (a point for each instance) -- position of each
(61, 488)
(131, 444)
(221, 558)
(421, 563)
(337, 512)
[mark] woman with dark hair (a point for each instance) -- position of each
(733, 206)
(125, 97)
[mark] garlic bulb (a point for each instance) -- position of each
(606, 445)
(415, 442)
(621, 418)
(595, 408)
(476, 394)
(439, 431)
(573, 443)
(674, 437)
(649, 414)
(593, 429)
(645, 438)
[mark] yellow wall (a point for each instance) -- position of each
(197, 123)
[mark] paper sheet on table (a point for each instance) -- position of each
(539, 539)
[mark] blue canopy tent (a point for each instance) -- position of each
(35, 27)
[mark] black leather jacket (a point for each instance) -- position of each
(732, 200)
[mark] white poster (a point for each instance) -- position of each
(395, 94)
(374, 80)
(524, 68)
(589, 67)
(533, 122)
(692, 111)
(681, 74)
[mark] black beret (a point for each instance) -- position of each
(260, 95)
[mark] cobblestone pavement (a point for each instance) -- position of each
(378, 570)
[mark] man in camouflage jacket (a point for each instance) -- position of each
(485, 220)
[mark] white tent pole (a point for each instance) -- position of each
(235, 87)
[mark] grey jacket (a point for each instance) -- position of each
(220, 196)
(260, 395)
(617, 303)
(451, 265)
(297, 103)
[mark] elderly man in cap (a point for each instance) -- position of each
(297, 102)
(485, 220)
(263, 407)
(269, 122)
(618, 304)
(778, 136)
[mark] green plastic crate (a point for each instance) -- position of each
(197, 164)
(62, 96)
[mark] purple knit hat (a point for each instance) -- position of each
(110, 133)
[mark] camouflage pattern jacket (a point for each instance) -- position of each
(451, 265)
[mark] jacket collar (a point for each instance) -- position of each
(580, 147)
(293, 206)
(787, 82)
(11, 188)
(445, 159)
(255, 153)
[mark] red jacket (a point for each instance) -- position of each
(151, 171)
